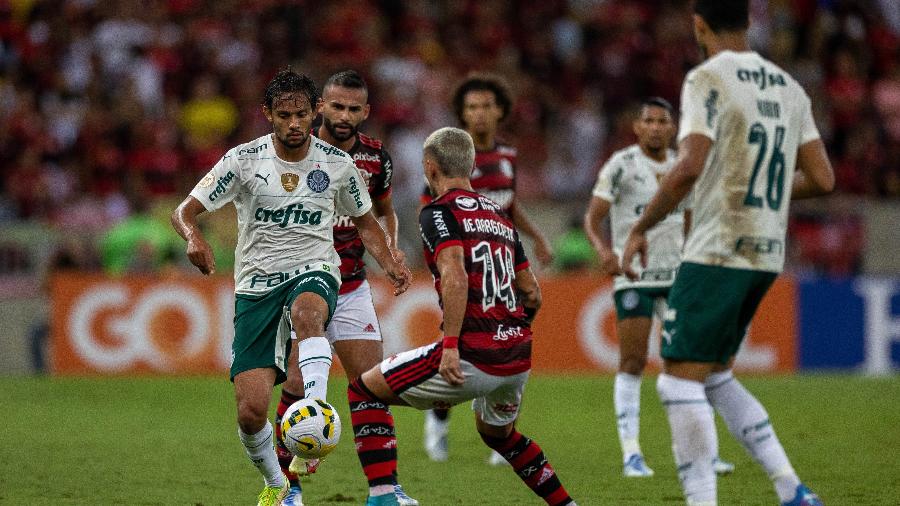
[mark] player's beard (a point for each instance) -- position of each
(296, 142)
(340, 136)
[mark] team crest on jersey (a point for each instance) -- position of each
(289, 181)
(317, 181)
(467, 203)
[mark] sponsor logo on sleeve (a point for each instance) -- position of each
(317, 180)
(439, 223)
(355, 191)
(224, 181)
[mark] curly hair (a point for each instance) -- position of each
(287, 81)
(482, 82)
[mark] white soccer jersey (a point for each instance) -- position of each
(628, 181)
(757, 116)
(285, 210)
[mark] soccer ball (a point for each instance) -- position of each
(310, 428)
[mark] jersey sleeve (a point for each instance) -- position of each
(609, 180)
(381, 182)
(439, 228)
(351, 198)
(521, 260)
(701, 105)
(808, 130)
(220, 185)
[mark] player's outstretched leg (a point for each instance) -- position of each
(528, 461)
(694, 439)
(376, 444)
(748, 422)
(437, 425)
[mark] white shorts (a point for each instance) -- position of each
(413, 376)
(354, 317)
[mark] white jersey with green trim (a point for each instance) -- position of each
(285, 210)
(757, 116)
(628, 181)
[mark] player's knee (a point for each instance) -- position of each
(308, 322)
(252, 415)
(632, 364)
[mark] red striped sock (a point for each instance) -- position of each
(284, 455)
(529, 463)
(373, 432)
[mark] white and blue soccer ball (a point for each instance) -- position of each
(311, 428)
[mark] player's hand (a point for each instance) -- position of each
(636, 244)
(449, 367)
(609, 263)
(398, 255)
(544, 252)
(399, 275)
(201, 255)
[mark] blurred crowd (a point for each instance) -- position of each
(110, 111)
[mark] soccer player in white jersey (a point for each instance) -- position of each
(287, 187)
(746, 127)
(625, 185)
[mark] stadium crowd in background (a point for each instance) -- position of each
(107, 111)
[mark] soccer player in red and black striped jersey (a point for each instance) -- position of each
(481, 102)
(353, 331)
(489, 297)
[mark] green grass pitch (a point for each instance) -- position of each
(150, 441)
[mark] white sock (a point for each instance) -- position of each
(261, 451)
(694, 439)
(314, 354)
(381, 490)
(748, 421)
(627, 402)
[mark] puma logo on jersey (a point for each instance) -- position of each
(266, 179)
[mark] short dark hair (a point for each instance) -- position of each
(482, 82)
(347, 79)
(288, 81)
(724, 15)
(658, 102)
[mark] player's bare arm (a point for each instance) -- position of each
(454, 295)
(383, 209)
(184, 219)
(673, 189)
(814, 175)
(597, 211)
(541, 247)
(373, 237)
(529, 292)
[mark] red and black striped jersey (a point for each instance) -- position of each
(493, 176)
(495, 336)
(374, 163)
